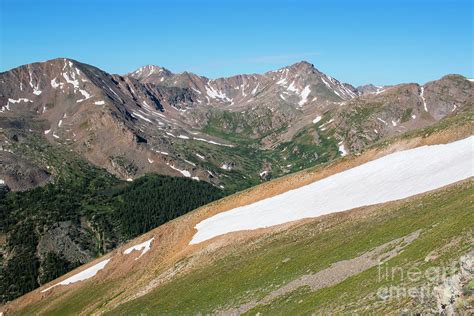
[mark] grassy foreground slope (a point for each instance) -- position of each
(250, 272)
(445, 218)
(270, 270)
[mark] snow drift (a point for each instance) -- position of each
(393, 177)
(81, 276)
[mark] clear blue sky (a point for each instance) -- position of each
(383, 42)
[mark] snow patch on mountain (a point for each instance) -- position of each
(73, 81)
(342, 149)
(381, 120)
(304, 95)
(185, 173)
(81, 276)
(136, 114)
(422, 95)
(212, 142)
(19, 100)
(85, 94)
(55, 84)
(146, 246)
(410, 172)
(36, 89)
(226, 166)
(214, 94)
(317, 119)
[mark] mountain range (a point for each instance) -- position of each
(232, 132)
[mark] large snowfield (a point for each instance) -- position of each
(393, 177)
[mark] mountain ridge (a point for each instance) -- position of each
(189, 125)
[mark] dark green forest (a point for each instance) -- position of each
(104, 212)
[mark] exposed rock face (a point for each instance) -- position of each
(21, 174)
(65, 239)
(152, 120)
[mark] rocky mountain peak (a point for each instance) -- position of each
(150, 71)
(302, 66)
(299, 68)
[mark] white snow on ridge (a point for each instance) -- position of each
(196, 90)
(255, 89)
(36, 90)
(185, 173)
(56, 84)
(380, 90)
(214, 94)
(142, 117)
(74, 81)
(317, 119)
(18, 100)
(13, 101)
(5, 108)
(81, 276)
(422, 95)
(146, 246)
(326, 83)
(85, 94)
(323, 126)
(410, 172)
(212, 142)
(304, 95)
(292, 88)
(281, 82)
(226, 166)
(342, 149)
(378, 118)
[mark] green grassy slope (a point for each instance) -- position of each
(251, 273)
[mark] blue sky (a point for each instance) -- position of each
(382, 42)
